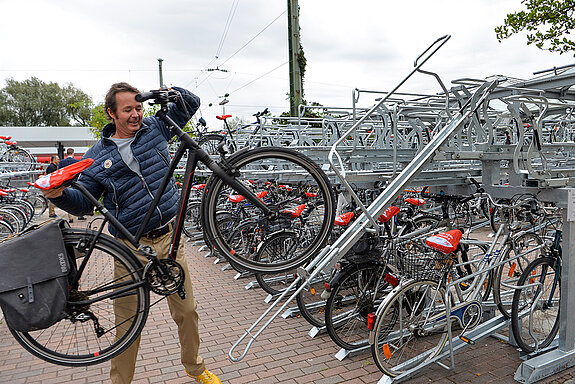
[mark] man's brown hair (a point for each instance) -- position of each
(110, 100)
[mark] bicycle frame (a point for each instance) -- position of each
(195, 155)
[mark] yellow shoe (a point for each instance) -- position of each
(206, 378)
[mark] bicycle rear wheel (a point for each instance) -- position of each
(272, 250)
(357, 293)
(290, 181)
(97, 327)
(310, 302)
(5, 230)
(535, 308)
(192, 220)
(209, 143)
(410, 328)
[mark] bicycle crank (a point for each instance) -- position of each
(164, 276)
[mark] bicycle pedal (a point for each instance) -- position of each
(466, 340)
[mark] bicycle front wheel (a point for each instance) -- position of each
(410, 329)
(522, 250)
(292, 186)
(103, 316)
(535, 308)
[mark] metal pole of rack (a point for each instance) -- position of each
(563, 357)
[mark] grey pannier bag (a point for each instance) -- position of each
(34, 270)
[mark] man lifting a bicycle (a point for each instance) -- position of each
(129, 163)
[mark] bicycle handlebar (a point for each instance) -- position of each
(159, 96)
(259, 114)
(461, 199)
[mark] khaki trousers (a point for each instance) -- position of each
(51, 209)
(183, 312)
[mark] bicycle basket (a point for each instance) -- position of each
(34, 270)
(426, 265)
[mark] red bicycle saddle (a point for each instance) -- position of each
(445, 242)
(388, 214)
(344, 218)
(223, 117)
(295, 211)
(59, 177)
(415, 201)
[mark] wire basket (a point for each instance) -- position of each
(425, 264)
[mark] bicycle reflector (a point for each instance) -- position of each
(370, 321)
(59, 177)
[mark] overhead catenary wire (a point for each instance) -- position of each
(253, 38)
(210, 73)
(231, 15)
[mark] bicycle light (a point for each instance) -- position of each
(370, 321)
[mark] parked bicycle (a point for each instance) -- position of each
(416, 320)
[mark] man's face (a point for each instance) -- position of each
(128, 116)
(56, 160)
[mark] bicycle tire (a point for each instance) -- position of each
(401, 338)
(289, 173)
(510, 272)
(39, 203)
(19, 213)
(420, 222)
(27, 207)
(272, 249)
(73, 341)
(192, 220)
(209, 143)
(310, 303)
(351, 300)
(12, 219)
(22, 159)
(5, 230)
(535, 309)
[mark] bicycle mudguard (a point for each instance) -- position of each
(59, 177)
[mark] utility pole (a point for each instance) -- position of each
(161, 74)
(294, 48)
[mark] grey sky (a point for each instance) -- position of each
(364, 44)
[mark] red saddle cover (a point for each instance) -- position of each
(240, 198)
(295, 211)
(198, 186)
(57, 178)
(344, 218)
(445, 242)
(388, 214)
(415, 201)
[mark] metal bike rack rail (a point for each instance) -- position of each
(333, 253)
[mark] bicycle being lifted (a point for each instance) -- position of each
(90, 333)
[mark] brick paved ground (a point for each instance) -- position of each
(284, 353)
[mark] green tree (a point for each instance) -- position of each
(547, 23)
(33, 102)
(78, 105)
(98, 120)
